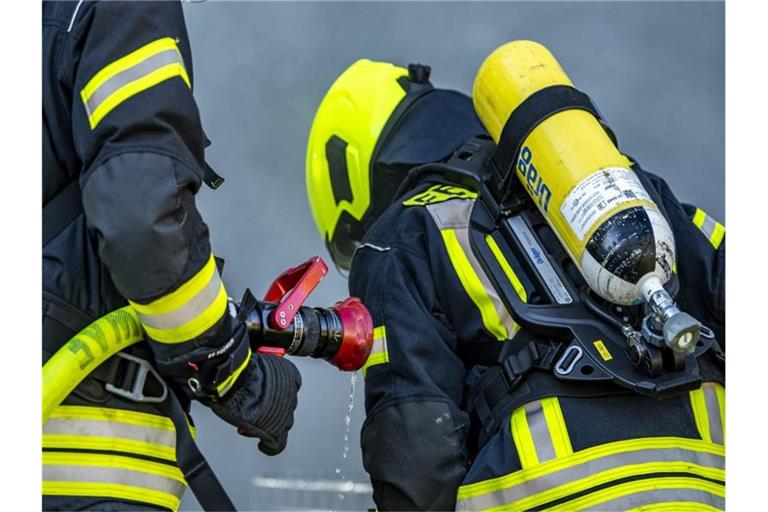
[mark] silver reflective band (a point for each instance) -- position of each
(187, 312)
(454, 214)
(101, 474)
(588, 468)
(537, 425)
(109, 429)
(125, 77)
(660, 496)
(713, 412)
(708, 226)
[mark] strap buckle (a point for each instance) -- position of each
(135, 390)
(515, 367)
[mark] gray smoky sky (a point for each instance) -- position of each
(655, 70)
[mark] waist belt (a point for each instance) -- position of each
(134, 378)
(527, 376)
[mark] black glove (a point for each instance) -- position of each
(262, 401)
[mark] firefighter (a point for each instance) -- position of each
(123, 157)
(439, 322)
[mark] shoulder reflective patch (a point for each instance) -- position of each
(379, 354)
(438, 194)
(713, 230)
(146, 67)
(452, 219)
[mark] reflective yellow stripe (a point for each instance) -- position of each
(75, 442)
(651, 484)
(111, 490)
(557, 429)
(713, 230)
(698, 218)
(183, 311)
(222, 388)
(720, 391)
(109, 414)
(379, 353)
(717, 235)
(473, 286)
(131, 75)
(699, 407)
(518, 286)
(675, 506)
(692, 446)
(74, 427)
(521, 434)
(113, 461)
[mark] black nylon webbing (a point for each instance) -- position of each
(198, 474)
(531, 112)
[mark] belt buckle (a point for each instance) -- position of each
(136, 391)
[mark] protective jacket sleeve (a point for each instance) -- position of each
(700, 252)
(413, 378)
(137, 130)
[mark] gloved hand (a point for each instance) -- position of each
(262, 401)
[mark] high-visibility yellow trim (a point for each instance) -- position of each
(109, 490)
(699, 407)
(586, 455)
(676, 506)
(720, 392)
(557, 429)
(699, 217)
(86, 351)
(222, 388)
(136, 86)
(521, 434)
(130, 60)
(473, 286)
(516, 284)
(379, 353)
(141, 419)
(617, 491)
(717, 235)
(651, 484)
(182, 294)
(178, 298)
(113, 461)
(73, 442)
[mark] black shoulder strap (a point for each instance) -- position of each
(198, 474)
(60, 211)
(534, 110)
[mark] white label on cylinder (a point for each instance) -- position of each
(599, 193)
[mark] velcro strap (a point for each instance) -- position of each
(61, 211)
(534, 110)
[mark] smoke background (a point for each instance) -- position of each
(655, 69)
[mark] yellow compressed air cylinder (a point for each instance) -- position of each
(581, 183)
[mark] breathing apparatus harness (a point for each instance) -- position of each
(590, 346)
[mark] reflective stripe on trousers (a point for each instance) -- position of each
(659, 471)
(99, 453)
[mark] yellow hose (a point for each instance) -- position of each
(85, 352)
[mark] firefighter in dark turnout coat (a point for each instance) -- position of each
(439, 322)
(122, 162)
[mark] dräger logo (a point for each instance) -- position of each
(536, 186)
(537, 258)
